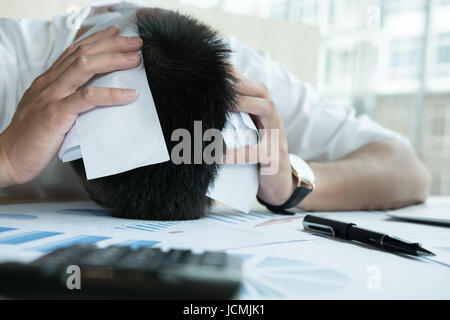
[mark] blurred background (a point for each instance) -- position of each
(386, 58)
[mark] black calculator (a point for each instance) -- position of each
(119, 272)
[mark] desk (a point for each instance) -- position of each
(281, 261)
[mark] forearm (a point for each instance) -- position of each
(381, 175)
(5, 178)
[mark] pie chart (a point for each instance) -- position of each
(279, 277)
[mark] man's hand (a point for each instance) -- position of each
(276, 183)
(49, 108)
(380, 175)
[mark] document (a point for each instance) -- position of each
(280, 259)
(434, 211)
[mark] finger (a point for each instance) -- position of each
(256, 106)
(247, 87)
(105, 46)
(109, 32)
(90, 97)
(111, 45)
(84, 68)
(243, 155)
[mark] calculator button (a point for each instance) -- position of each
(142, 259)
(177, 256)
(105, 256)
(217, 259)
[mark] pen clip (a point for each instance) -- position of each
(318, 228)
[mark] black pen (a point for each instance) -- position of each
(349, 231)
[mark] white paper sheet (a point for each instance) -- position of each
(437, 211)
(118, 138)
(281, 261)
(237, 185)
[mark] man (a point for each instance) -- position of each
(357, 163)
(191, 80)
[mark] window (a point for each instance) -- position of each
(343, 13)
(443, 49)
(405, 58)
(278, 10)
(443, 56)
(395, 6)
(339, 67)
(308, 11)
(440, 53)
(389, 68)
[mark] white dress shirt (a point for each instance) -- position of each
(317, 129)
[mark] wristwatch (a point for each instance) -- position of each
(305, 180)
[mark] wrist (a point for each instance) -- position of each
(276, 189)
(5, 165)
(323, 191)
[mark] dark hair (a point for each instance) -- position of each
(187, 69)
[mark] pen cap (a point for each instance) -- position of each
(326, 227)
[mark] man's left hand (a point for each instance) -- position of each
(275, 177)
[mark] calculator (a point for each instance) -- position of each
(120, 272)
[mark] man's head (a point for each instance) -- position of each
(190, 79)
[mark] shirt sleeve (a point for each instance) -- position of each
(318, 129)
(27, 49)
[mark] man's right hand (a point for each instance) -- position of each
(49, 108)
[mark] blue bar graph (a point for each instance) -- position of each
(85, 212)
(236, 218)
(150, 225)
(83, 239)
(246, 216)
(27, 236)
(139, 228)
(17, 216)
(267, 214)
(262, 214)
(230, 216)
(214, 217)
(147, 227)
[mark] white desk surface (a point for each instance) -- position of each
(281, 261)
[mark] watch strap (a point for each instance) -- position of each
(297, 196)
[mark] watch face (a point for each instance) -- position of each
(302, 168)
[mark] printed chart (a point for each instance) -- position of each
(280, 259)
(277, 278)
(44, 227)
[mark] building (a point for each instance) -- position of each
(390, 59)
(387, 58)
